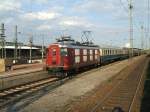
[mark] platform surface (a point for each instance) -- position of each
(23, 69)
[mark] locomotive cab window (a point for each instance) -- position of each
(64, 52)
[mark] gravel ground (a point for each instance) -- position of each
(88, 101)
(62, 96)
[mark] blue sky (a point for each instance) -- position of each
(107, 19)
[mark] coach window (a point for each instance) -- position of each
(77, 52)
(54, 52)
(95, 51)
(85, 52)
(91, 52)
(105, 52)
(64, 52)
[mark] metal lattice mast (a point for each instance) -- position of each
(149, 44)
(15, 43)
(131, 28)
(30, 44)
(2, 41)
(148, 38)
(142, 37)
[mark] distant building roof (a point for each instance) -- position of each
(12, 44)
(19, 47)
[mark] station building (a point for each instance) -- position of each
(21, 53)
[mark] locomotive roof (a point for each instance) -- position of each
(69, 42)
(76, 46)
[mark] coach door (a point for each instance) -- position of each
(71, 56)
(64, 54)
(54, 55)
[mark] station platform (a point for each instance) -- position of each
(22, 69)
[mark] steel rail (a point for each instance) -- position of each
(137, 89)
(107, 96)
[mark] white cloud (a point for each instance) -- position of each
(70, 23)
(75, 22)
(10, 5)
(43, 15)
(95, 5)
(44, 27)
(109, 8)
(127, 45)
(41, 1)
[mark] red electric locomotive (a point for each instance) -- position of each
(67, 56)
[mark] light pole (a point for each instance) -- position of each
(149, 45)
(15, 44)
(2, 41)
(30, 44)
(19, 46)
(42, 48)
(142, 37)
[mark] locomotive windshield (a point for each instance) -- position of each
(64, 52)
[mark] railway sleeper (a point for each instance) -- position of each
(118, 101)
(120, 98)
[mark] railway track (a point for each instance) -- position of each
(124, 93)
(10, 95)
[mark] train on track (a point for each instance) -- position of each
(67, 56)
